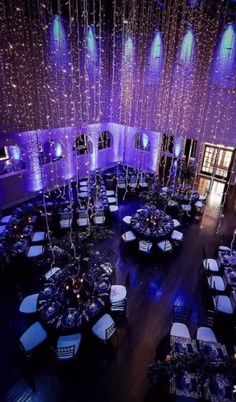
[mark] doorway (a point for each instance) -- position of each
(217, 161)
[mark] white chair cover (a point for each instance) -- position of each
(216, 282)
(35, 251)
(113, 208)
(38, 237)
(205, 334)
(176, 223)
(111, 200)
(6, 219)
(102, 325)
(176, 235)
(34, 336)
(83, 222)
(110, 193)
(99, 219)
(179, 329)
(223, 304)
(210, 264)
(128, 236)
(29, 304)
(127, 219)
(165, 245)
(68, 346)
(145, 246)
(118, 293)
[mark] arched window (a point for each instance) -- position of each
(12, 159)
(168, 143)
(104, 140)
(82, 145)
(50, 151)
(142, 142)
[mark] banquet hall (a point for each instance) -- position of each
(118, 200)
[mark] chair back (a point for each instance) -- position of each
(83, 214)
(66, 352)
(83, 221)
(145, 246)
(99, 219)
(206, 319)
(65, 215)
(110, 331)
(181, 314)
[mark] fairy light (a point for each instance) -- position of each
(70, 96)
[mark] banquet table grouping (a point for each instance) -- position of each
(200, 370)
(183, 193)
(70, 299)
(152, 223)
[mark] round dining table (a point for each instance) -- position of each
(71, 301)
(183, 194)
(152, 223)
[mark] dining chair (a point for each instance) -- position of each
(181, 315)
(176, 223)
(165, 246)
(83, 219)
(38, 237)
(145, 246)
(33, 337)
(210, 264)
(111, 200)
(186, 208)
(205, 334)
(202, 197)
(121, 183)
(99, 218)
(205, 327)
(104, 328)
(35, 252)
(83, 194)
(126, 219)
(68, 346)
(216, 282)
(65, 220)
(6, 219)
(29, 304)
(177, 236)
(128, 236)
(224, 304)
(110, 193)
(118, 298)
(113, 208)
(133, 182)
(199, 205)
(143, 183)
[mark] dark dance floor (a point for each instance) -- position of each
(117, 373)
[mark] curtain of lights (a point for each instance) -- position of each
(166, 66)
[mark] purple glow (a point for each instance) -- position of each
(187, 48)
(14, 152)
(225, 61)
(59, 43)
(155, 59)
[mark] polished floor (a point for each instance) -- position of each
(117, 373)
